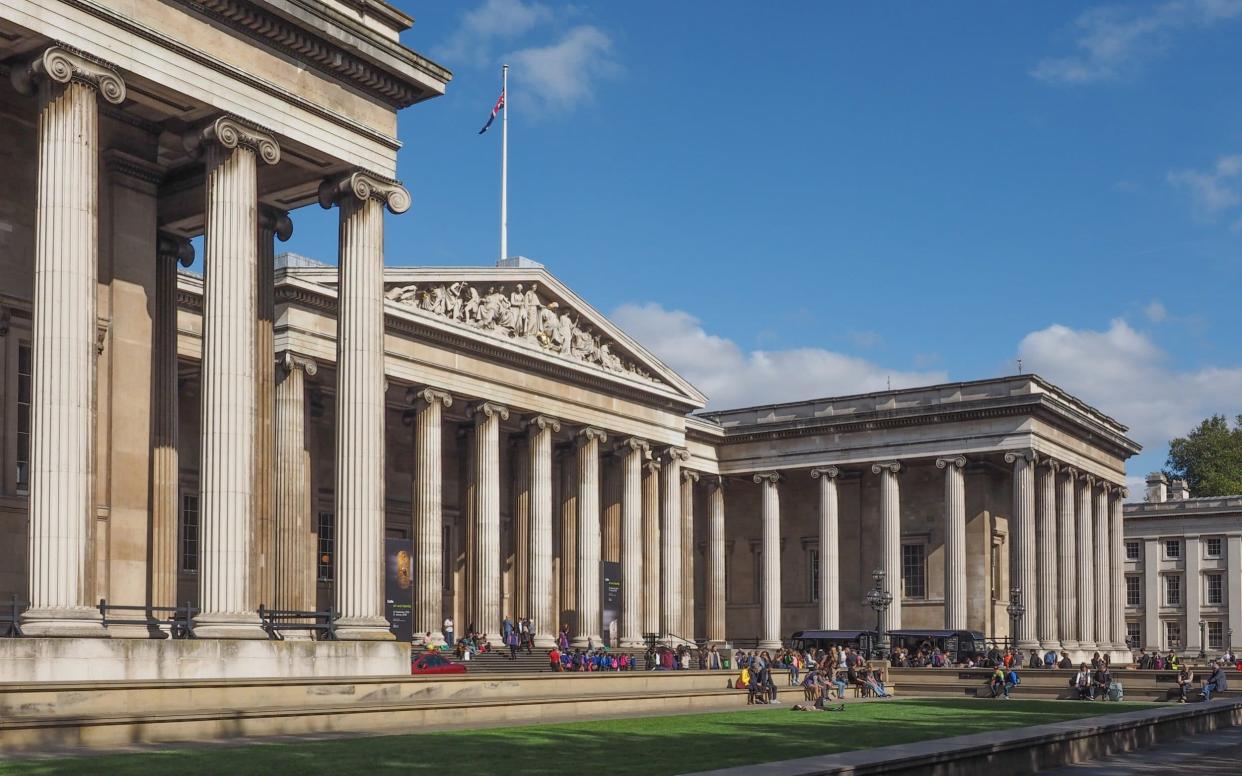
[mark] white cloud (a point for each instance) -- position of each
(558, 76)
(1112, 41)
(1125, 374)
(733, 377)
(1155, 311)
(494, 20)
(1213, 191)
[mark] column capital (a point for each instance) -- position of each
(673, 453)
(770, 478)
(1071, 473)
(1053, 464)
(1088, 479)
(591, 434)
(652, 465)
(827, 472)
(892, 467)
(288, 361)
(689, 475)
(1027, 455)
(484, 411)
(231, 132)
(956, 461)
(632, 444)
(429, 395)
(543, 423)
(714, 481)
(172, 247)
(60, 64)
(365, 185)
(276, 221)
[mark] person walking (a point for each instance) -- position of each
(448, 631)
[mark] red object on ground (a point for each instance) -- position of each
(431, 663)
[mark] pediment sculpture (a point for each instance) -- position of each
(516, 312)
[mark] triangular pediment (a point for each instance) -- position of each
(529, 310)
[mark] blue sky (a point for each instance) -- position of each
(796, 198)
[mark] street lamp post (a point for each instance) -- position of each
(1016, 611)
(1202, 639)
(879, 600)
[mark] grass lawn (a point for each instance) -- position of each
(638, 745)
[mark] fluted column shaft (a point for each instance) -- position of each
(688, 480)
(63, 352)
(890, 538)
(165, 466)
(829, 549)
(1067, 560)
(486, 605)
(770, 637)
(610, 510)
(954, 542)
(539, 431)
(568, 531)
(429, 405)
(716, 562)
(1117, 569)
(1046, 570)
(1023, 531)
(589, 597)
(519, 460)
(651, 547)
(670, 544)
(634, 451)
(1083, 562)
(296, 566)
(1102, 567)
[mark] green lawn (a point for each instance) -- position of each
(640, 745)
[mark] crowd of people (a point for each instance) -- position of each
(820, 673)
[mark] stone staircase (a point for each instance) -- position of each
(499, 662)
(1044, 684)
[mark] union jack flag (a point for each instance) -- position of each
(500, 105)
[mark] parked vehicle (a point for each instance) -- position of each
(862, 641)
(432, 663)
(956, 645)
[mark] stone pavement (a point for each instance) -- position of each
(1201, 755)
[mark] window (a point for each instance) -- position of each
(1212, 547)
(23, 418)
(1172, 590)
(1134, 636)
(189, 532)
(1215, 589)
(813, 565)
(1173, 635)
(913, 571)
(1172, 549)
(326, 545)
(1132, 550)
(1216, 635)
(1134, 591)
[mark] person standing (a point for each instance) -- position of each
(448, 631)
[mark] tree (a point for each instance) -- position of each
(1209, 458)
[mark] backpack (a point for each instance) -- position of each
(1013, 678)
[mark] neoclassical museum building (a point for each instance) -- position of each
(264, 435)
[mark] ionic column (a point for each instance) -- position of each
(1103, 573)
(272, 224)
(1117, 568)
(485, 610)
(716, 561)
(829, 548)
(770, 638)
(890, 537)
(1082, 564)
(62, 407)
(519, 462)
(634, 451)
(295, 531)
(954, 541)
(568, 533)
(429, 405)
(232, 151)
(1046, 570)
(651, 547)
(539, 430)
(1067, 560)
(688, 480)
(670, 543)
(165, 467)
(589, 597)
(1023, 531)
(361, 198)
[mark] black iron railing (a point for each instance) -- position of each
(11, 621)
(178, 622)
(276, 621)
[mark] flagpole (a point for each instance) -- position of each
(504, 164)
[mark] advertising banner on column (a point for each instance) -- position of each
(611, 574)
(399, 587)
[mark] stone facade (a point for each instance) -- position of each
(249, 437)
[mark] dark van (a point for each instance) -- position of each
(861, 641)
(956, 645)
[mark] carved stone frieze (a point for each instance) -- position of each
(518, 312)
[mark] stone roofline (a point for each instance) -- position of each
(1190, 507)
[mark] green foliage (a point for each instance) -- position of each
(1209, 458)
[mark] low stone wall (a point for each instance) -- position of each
(72, 660)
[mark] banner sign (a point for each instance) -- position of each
(611, 574)
(399, 587)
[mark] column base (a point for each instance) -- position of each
(1055, 646)
(583, 642)
(1027, 646)
(769, 644)
(544, 642)
(633, 644)
(79, 622)
(363, 629)
(231, 625)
